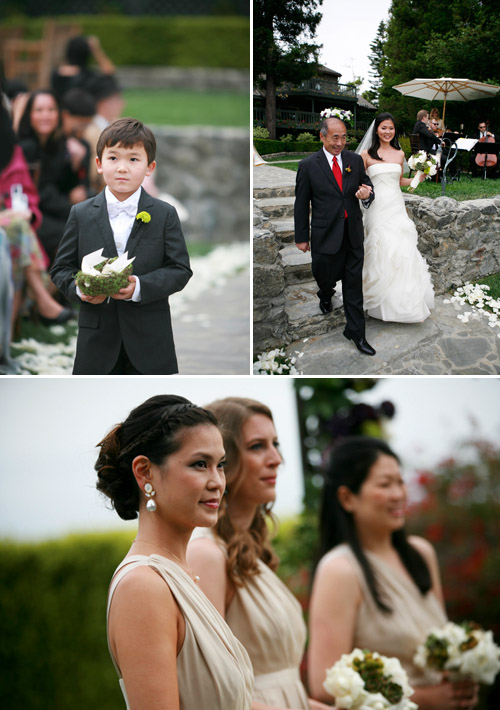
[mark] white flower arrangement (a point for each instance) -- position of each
(466, 650)
(339, 113)
(276, 362)
(364, 680)
(422, 163)
(483, 305)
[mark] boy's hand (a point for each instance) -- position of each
(127, 292)
(93, 299)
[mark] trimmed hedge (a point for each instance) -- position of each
(267, 147)
(178, 41)
(53, 650)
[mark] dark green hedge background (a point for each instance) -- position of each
(178, 41)
(53, 648)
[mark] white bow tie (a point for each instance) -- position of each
(117, 208)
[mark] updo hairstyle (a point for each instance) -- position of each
(153, 429)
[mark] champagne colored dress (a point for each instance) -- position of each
(213, 668)
(397, 634)
(396, 282)
(267, 619)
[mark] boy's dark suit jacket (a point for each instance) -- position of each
(427, 140)
(162, 265)
(316, 186)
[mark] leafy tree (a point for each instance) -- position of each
(281, 52)
(435, 38)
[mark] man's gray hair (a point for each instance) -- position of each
(323, 129)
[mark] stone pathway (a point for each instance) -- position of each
(441, 345)
(213, 338)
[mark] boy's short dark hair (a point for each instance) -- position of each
(127, 132)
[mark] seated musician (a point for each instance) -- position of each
(483, 134)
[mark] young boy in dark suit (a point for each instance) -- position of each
(129, 333)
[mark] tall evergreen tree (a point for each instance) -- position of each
(281, 52)
(377, 61)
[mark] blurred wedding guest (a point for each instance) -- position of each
(109, 105)
(45, 147)
(374, 587)
(7, 365)
(76, 72)
(171, 648)
(17, 94)
(236, 562)
(427, 139)
(20, 217)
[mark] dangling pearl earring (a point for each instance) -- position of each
(151, 504)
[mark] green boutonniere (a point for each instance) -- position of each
(348, 169)
(144, 217)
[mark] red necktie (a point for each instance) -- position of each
(337, 174)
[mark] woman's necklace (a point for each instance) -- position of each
(193, 576)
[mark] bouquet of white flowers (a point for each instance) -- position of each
(422, 163)
(466, 650)
(339, 113)
(363, 680)
(103, 277)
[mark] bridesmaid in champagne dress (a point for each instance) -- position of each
(375, 588)
(236, 562)
(171, 648)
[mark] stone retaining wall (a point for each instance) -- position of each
(459, 240)
(208, 170)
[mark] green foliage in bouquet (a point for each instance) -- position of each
(107, 285)
(371, 671)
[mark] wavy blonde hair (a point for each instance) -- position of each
(244, 547)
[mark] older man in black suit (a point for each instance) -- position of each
(331, 182)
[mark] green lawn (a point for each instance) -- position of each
(463, 189)
(172, 107)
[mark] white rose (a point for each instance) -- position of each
(345, 685)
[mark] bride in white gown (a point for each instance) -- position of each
(396, 281)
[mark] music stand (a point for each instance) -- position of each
(486, 148)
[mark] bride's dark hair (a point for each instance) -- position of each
(373, 149)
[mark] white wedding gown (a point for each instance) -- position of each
(396, 282)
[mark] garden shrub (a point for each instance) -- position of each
(176, 41)
(54, 652)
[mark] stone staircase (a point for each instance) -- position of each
(301, 302)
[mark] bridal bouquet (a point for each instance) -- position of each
(363, 680)
(339, 113)
(464, 649)
(422, 163)
(103, 277)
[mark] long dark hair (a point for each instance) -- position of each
(25, 129)
(8, 137)
(349, 465)
(373, 149)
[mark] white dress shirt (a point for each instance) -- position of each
(122, 224)
(330, 159)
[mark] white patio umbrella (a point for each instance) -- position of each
(446, 88)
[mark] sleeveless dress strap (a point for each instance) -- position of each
(128, 564)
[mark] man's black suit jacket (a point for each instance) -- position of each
(427, 139)
(162, 265)
(316, 187)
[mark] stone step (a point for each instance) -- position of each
(264, 193)
(296, 265)
(275, 207)
(304, 317)
(285, 230)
